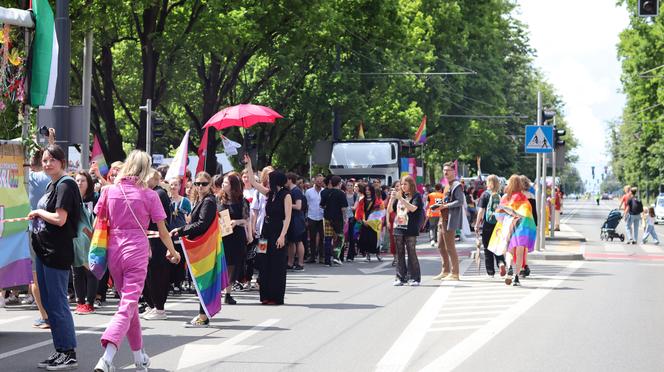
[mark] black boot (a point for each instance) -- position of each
(516, 282)
(229, 300)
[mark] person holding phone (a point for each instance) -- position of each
(275, 226)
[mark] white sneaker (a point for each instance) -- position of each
(433, 244)
(397, 282)
(156, 315)
(28, 300)
(144, 364)
(104, 366)
(147, 312)
(413, 283)
(336, 261)
(2, 301)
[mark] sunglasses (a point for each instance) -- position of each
(201, 183)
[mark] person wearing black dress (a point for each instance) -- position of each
(229, 197)
(277, 219)
(202, 216)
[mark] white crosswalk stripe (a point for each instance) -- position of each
(650, 248)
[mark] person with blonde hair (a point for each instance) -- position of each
(516, 235)
(129, 206)
(486, 220)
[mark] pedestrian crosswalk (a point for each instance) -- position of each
(466, 314)
(633, 248)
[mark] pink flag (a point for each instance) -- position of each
(98, 157)
(202, 152)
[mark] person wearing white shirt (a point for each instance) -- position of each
(315, 219)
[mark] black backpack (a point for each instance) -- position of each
(635, 206)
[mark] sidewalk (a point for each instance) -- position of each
(567, 245)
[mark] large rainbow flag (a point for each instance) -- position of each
(522, 232)
(207, 265)
(15, 262)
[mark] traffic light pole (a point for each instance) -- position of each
(552, 228)
(538, 176)
(148, 125)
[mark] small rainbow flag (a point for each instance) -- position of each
(98, 156)
(207, 264)
(421, 134)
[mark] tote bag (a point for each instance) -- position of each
(98, 256)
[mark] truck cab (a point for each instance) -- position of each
(369, 158)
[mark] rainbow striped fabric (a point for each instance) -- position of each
(15, 262)
(421, 134)
(522, 232)
(207, 264)
(98, 156)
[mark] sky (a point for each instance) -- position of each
(576, 49)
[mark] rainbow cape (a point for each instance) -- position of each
(207, 265)
(513, 232)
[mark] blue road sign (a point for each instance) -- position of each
(539, 139)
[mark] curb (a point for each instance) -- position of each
(581, 239)
(548, 256)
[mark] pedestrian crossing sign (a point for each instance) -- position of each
(539, 139)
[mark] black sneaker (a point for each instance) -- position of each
(65, 361)
(510, 272)
(298, 268)
(49, 360)
(516, 282)
(229, 300)
(525, 272)
(290, 268)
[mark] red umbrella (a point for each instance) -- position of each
(244, 115)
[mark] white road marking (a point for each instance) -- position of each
(481, 296)
(480, 301)
(386, 265)
(497, 306)
(397, 357)
(468, 313)
(462, 350)
(196, 353)
(12, 320)
(468, 320)
(459, 328)
(48, 342)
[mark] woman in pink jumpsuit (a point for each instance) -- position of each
(130, 206)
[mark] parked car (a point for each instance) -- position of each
(659, 208)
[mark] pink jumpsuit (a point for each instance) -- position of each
(128, 252)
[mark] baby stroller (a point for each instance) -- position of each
(610, 225)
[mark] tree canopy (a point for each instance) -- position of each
(384, 63)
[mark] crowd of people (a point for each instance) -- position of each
(280, 222)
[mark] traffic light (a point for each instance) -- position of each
(157, 127)
(557, 134)
(547, 115)
(648, 8)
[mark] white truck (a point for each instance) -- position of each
(371, 158)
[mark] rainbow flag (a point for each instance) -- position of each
(98, 157)
(421, 134)
(207, 265)
(15, 262)
(522, 232)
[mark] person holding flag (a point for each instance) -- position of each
(201, 238)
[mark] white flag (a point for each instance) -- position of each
(230, 147)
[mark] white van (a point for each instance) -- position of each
(659, 209)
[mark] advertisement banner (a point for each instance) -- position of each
(15, 263)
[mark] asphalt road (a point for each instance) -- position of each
(602, 314)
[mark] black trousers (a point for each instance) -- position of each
(316, 239)
(179, 270)
(491, 261)
(350, 238)
(85, 285)
(157, 284)
(102, 288)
